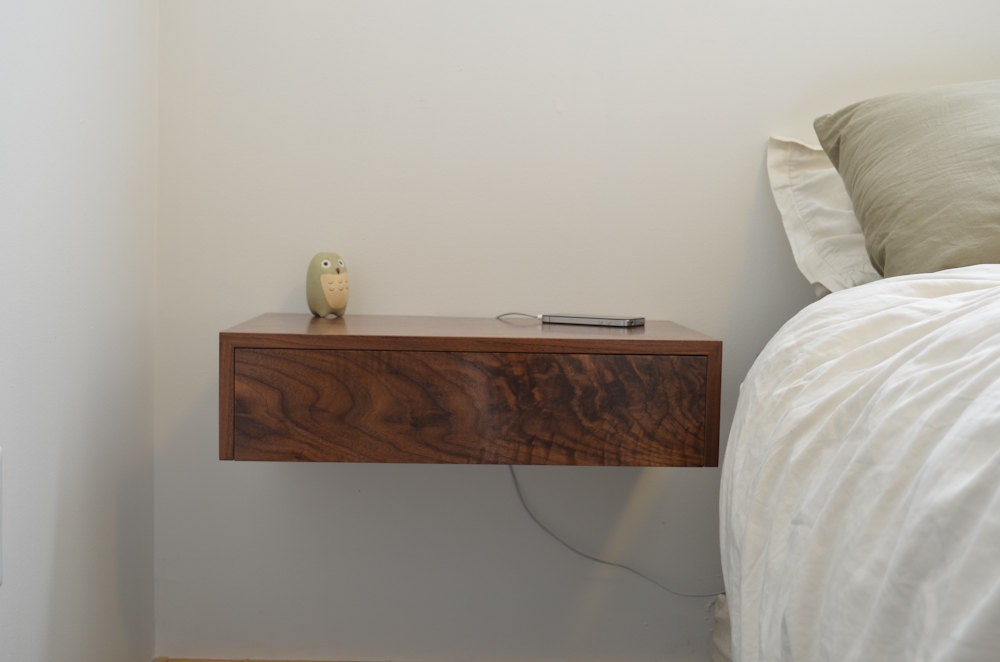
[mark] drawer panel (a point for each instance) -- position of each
(472, 407)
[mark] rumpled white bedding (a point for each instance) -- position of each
(860, 503)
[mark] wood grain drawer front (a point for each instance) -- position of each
(471, 407)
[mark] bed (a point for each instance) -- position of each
(860, 499)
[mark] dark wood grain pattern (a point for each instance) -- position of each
(420, 390)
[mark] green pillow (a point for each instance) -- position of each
(923, 172)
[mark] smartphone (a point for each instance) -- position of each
(594, 320)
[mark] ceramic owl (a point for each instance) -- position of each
(327, 285)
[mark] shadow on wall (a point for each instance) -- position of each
(101, 599)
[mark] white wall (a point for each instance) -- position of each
(469, 158)
(77, 244)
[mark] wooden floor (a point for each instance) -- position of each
(187, 659)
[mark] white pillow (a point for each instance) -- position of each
(819, 219)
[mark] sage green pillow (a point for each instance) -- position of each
(923, 173)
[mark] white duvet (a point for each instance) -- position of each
(861, 484)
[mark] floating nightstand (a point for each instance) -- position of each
(370, 388)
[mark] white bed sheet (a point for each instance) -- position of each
(860, 504)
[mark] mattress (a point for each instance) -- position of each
(860, 502)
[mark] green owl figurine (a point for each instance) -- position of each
(327, 285)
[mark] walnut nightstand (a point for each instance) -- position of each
(371, 388)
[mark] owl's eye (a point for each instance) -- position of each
(325, 264)
(340, 263)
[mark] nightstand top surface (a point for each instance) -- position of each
(281, 329)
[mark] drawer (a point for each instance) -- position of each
(470, 407)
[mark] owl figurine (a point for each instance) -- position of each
(327, 285)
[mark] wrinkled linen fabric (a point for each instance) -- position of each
(860, 500)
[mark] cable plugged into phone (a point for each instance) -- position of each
(503, 316)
